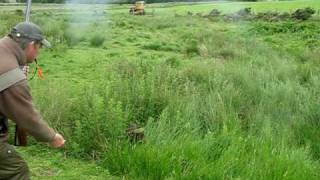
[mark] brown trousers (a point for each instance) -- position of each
(12, 166)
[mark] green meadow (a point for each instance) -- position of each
(213, 98)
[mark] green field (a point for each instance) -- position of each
(216, 98)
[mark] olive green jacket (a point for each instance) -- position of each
(15, 100)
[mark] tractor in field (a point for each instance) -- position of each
(138, 8)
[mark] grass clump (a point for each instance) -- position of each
(97, 40)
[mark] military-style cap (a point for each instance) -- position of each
(30, 31)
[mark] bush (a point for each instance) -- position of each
(303, 14)
(97, 40)
(161, 46)
(245, 12)
(19, 12)
(73, 38)
(214, 13)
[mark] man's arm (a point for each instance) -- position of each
(17, 106)
(20, 135)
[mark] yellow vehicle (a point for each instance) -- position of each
(138, 9)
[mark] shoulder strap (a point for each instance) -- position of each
(10, 78)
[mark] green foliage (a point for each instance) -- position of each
(73, 38)
(45, 163)
(273, 16)
(217, 100)
(303, 14)
(247, 14)
(97, 40)
(162, 46)
(303, 33)
(225, 156)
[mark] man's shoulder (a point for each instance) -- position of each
(5, 41)
(8, 59)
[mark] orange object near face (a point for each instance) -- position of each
(40, 73)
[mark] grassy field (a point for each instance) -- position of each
(46, 163)
(217, 99)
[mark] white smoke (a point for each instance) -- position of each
(85, 16)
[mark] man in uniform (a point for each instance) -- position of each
(17, 49)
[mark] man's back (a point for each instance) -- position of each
(11, 55)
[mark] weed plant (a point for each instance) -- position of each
(97, 40)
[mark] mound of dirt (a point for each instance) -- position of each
(248, 14)
(303, 14)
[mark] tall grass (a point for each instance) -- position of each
(249, 117)
(215, 101)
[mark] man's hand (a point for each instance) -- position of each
(58, 141)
